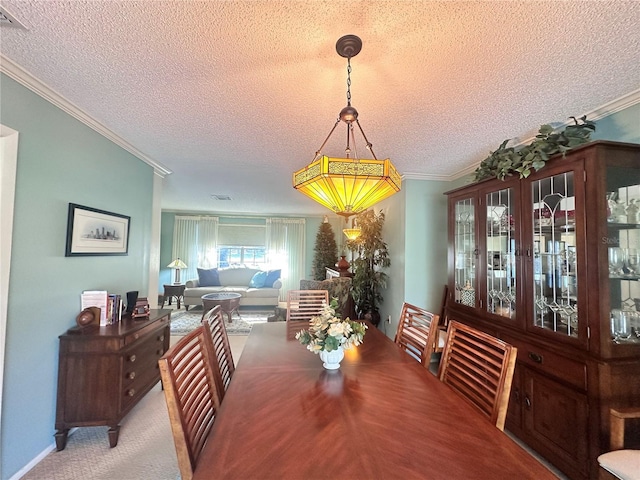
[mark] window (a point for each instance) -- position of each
(234, 255)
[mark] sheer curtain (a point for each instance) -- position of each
(285, 250)
(195, 242)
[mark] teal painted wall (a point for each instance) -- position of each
(416, 235)
(623, 126)
(60, 160)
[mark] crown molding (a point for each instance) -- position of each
(615, 106)
(426, 176)
(596, 114)
(22, 76)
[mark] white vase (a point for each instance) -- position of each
(331, 360)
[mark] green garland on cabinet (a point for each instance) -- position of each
(506, 161)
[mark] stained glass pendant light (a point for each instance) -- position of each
(350, 185)
(352, 233)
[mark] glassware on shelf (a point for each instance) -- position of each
(625, 326)
(634, 320)
(620, 326)
(632, 211)
(631, 262)
(616, 261)
(616, 210)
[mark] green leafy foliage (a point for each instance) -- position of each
(326, 251)
(372, 256)
(506, 161)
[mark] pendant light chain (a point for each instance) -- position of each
(350, 136)
(349, 81)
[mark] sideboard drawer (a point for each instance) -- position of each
(143, 332)
(570, 371)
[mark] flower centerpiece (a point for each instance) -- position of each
(329, 335)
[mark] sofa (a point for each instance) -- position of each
(257, 287)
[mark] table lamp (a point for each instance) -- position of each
(177, 264)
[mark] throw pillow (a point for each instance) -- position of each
(208, 277)
(258, 280)
(272, 276)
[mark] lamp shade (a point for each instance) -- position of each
(347, 186)
(177, 263)
(351, 233)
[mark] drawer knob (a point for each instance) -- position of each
(535, 357)
(136, 336)
(132, 358)
(159, 351)
(131, 375)
(131, 392)
(527, 401)
(161, 338)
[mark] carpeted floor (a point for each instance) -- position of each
(145, 449)
(183, 322)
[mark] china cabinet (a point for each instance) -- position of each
(550, 264)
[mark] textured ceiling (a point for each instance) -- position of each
(233, 96)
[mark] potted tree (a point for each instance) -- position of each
(370, 256)
(326, 250)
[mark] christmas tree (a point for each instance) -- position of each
(326, 250)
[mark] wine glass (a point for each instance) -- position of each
(616, 261)
(631, 261)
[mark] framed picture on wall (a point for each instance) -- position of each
(96, 232)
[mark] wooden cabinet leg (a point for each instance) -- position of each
(61, 439)
(113, 435)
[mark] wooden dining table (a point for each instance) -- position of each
(380, 416)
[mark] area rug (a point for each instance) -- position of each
(183, 322)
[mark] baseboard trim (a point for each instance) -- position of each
(24, 470)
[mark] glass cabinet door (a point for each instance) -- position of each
(465, 252)
(555, 275)
(500, 253)
(623, 248)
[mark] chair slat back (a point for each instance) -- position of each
(215, 328)
(479, 367)
(417, 332)
(302, 305)
(191, 394)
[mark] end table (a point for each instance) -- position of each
(171, 291)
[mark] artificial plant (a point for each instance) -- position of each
(370, 256)
(507, 161)
(326, 250)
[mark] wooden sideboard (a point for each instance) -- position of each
(104, 372)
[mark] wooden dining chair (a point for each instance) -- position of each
(620, 463)
(224, 366)
(417, 332)
(192, 396)
(480, 368)
(444, 321)
(302, 305)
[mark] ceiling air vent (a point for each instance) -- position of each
(8, 20)
(221, 197)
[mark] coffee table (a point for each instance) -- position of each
(229, 302)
